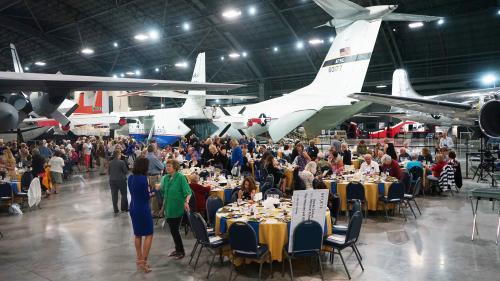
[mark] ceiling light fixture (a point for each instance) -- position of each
(234, 55)
(244, 54)
(130, 73)
(115, 76)
(122, 75)
(316, 41)
(299, 45)
(222, 58)
(381, 86)
(154, 34)
(252, 10)
(137, 72)
(141, 37)
(440, 21)
(157, 69)
(115, 44)
(87, 51)
(331, 39)
(186, 26)
(26, 68)
(181, 64)
(417, 24)
(231, 13)
(40, 63)
(276, 49)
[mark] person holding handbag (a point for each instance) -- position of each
(176, 193)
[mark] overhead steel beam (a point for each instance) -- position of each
(27, 29)
(283, 20)
(226, 36)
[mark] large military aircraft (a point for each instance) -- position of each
(41, 94)
(342, 73)
(457, 108)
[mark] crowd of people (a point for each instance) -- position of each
(158, 189)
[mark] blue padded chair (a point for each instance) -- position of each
(234, 194)
(243, 242)
(355, 191)
(213, 204)
(268, 184)
(395, 195)
(307, 242)
(349, 240)
(213, 244)
(412, 197)
(273, 192)
(415, 174)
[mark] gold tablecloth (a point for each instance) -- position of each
(274, 235)
(371, 194)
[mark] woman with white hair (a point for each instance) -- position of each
(307, 175)
(391, 167)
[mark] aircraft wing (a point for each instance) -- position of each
(339, 9)
(177, 95)
(379, 114)
(409, 17)
(12, 81)
(417, 104)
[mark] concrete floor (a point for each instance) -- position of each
(75, 236)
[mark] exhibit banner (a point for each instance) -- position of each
(308, 205)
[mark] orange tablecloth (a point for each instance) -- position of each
(371, 194)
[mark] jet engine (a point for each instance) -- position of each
(45, 104)
(13, 109)
(489, 118)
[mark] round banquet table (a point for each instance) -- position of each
(272, 227)
(372, 192)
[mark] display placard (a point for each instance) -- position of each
(308, 205)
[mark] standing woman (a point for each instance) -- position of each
(176, 193)
(10, 163)
(101, 155)
(140, 212)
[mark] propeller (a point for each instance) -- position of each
(229, 125)
(221, 134)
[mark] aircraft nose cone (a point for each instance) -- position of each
(9, 117)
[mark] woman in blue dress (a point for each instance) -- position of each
(140, 212)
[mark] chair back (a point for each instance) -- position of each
(213, 204)
(192, 201)
(6, 190)
(298, 183)
(273, 192)
(234, 194)
(334, 212)
(356, 206)
(355, 190)
(396, 191)
(270, 180)
(415, 173)
(242, 238)
(26, 179)
(354, 228)
(199, 228)
(417, 187)
(307, 238)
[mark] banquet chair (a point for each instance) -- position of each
(6, 194)
(272, 192)
(415, 174)
(412, 197)
(185, 221)
(349, 240)
(307, 242)
(268, 184)
(340, 228)
(244, 244)
(213, 244)
(395, 195)
(213, 204)
(234, 194)
(355, 191)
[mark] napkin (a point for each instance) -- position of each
(257, 196)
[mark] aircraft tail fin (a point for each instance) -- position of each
(15, 58)
(401, 85)
(344, 69)
(197, 99)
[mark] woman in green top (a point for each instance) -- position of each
(176, 193)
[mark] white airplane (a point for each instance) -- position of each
(165, 125)
(342, 73)
(401, 87)
(50, 90)
(458, 108)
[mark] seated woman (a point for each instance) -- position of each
(308, 174)
(425, 156)
(437, 168)
(336, 162)
(200, 193)
(248, 189)
(403, 155)
(414, 162)
(362, 149)
(391, 167)
(271, 166)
